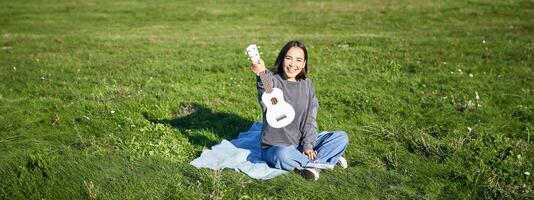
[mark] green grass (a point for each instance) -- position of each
(112, 99)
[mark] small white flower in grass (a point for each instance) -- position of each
(343, 46)
(43, 78)
(470, 75)
(14, 68)
(452, 72)
(527, 173)
(469, 129)
(483, 41)
(460, 71)
(86, 117)
(112, 111)
(470, 104)
(476, 96)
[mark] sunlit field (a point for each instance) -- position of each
(113, 99)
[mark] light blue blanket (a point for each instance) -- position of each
(242, 154)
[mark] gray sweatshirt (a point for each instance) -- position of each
(303, 129)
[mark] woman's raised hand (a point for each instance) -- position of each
(259, 67)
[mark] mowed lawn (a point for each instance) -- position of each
(113, 99)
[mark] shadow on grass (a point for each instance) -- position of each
(192, 119)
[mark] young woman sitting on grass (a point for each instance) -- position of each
(297, 145)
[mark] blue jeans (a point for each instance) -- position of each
(329, 147)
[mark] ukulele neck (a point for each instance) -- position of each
(266, 84)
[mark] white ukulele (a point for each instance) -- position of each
(279, 112)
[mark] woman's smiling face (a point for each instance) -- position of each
(294, 63)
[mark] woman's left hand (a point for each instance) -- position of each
(310, 153)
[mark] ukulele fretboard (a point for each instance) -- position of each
(266, 84)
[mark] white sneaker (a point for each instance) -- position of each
(310, 174)
(342, 162)
(319, 165)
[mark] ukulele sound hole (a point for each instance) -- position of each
(274, 101)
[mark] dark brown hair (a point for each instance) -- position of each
(279, 63)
